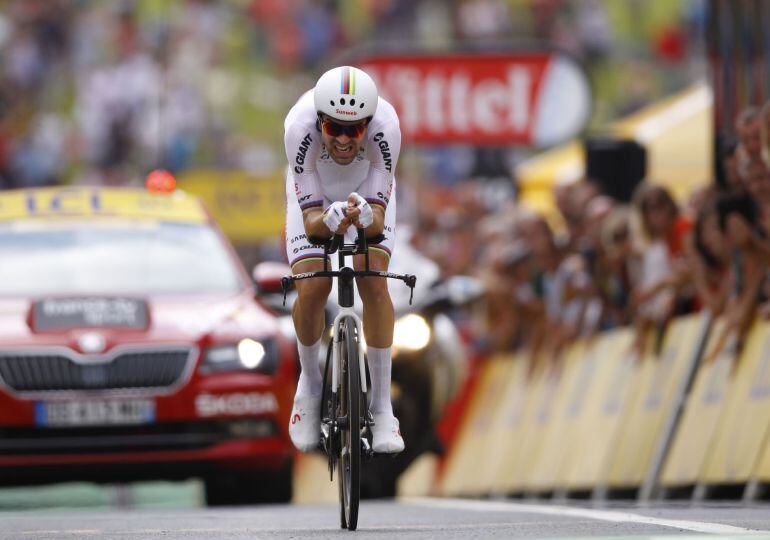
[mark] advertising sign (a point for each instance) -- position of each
(534, 99)
(247, 208)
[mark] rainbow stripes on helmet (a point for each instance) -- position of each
(348, 81)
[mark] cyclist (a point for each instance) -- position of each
(342, 143)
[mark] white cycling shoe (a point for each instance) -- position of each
(386, 436)
(305, 422)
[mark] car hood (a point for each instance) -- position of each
(168, 318)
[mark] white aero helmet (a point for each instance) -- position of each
(346, 93)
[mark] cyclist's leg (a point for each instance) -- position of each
(378, 329)
(308, 316)
(378, 307)
(312, 294)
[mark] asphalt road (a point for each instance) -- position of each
(445, 519)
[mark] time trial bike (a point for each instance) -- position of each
(345, 417)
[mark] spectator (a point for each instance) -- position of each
(614, 276)
(664, 234)
(562, 282)
(756, 181)
(748, 126)
(737, 215)
(710, 261)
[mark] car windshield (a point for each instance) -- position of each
(113, 257)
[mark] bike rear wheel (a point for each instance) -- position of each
(349, 462)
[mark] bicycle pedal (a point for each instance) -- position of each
(366, 450)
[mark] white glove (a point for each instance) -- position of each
(334, 215)
(366, 217)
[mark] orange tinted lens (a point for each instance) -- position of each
(351, 130)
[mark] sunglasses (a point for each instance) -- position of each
(334, 129)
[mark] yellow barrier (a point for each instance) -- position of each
(762, 389)
(515, 425)
(701, 415)
(507, 417)
(582, 386)
(460, 475)
(659, 381)
(552, 429)
(596, 419)
(743, 424)
(543, 385)
(611, 395)
(311, 480)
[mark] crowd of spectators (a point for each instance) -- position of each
(609, 264)
(102, 92)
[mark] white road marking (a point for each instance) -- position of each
(554, 510)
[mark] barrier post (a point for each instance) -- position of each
(650, 485)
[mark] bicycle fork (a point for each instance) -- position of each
(350, 314)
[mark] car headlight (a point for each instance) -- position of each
(247, 354)
(411, 333)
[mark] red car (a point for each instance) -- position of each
(132, 346)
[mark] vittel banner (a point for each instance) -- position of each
(513, 99)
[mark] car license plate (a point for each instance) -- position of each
(94, 413)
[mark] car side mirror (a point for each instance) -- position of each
(267, 277)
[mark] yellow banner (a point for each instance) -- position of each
(473, 439)
(612, 392)
(67, 202)
(660, 380)
(742, 428)
(557, 430)
(509, 425)
(703, 409)
(248, 209)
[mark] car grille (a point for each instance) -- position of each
(125, 370)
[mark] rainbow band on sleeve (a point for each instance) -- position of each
(311, 204)
(348, 81)
(378, 202)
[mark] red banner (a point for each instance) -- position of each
(523, 99)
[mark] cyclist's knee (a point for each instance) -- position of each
(373, 289)
(314, 291)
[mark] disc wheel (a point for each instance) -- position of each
(349, 462)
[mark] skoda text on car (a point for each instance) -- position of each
(132, 347)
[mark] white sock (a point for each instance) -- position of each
(379, 370)
(310, 380)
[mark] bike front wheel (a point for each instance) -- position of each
(349, 464)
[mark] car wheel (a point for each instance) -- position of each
(229, 488)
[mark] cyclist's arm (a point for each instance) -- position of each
(384, 148)
(314, 225)
(303, 144)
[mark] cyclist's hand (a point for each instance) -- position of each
(335, 218)
(365, 217)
